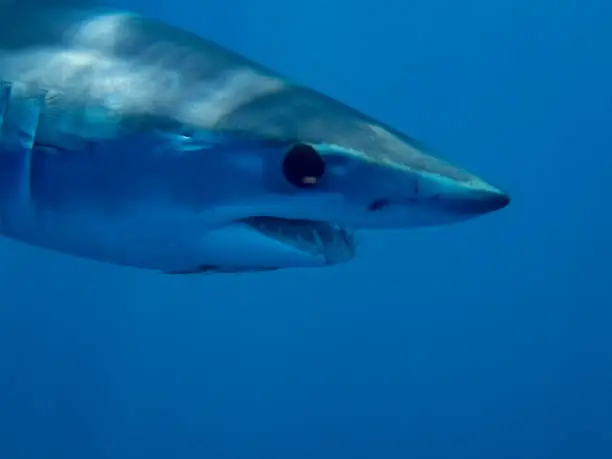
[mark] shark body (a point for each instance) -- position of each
(128, 141)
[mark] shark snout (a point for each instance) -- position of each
(462, 198)
(414, 199)
(474, 203)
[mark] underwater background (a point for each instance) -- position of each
(486, 339)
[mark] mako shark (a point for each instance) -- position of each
(129, 141)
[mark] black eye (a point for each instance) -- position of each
(303, 167)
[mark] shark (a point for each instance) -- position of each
(130, 141)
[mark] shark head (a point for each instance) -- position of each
(332, 172)
(270, 175)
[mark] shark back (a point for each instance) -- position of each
(106, 73)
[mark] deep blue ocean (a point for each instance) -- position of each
(489, 339)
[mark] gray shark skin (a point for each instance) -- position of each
(131, 142)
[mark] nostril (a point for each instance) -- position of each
(378, 204)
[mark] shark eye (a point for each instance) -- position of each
(303, 166)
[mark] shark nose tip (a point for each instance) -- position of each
(497, 201)
(479, 203)
(487, 202)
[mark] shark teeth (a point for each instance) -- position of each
(334, 243)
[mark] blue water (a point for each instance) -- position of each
(483, 340)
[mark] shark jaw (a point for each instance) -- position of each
(289, 243)
(335, 244)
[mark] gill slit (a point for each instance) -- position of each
(19, 122)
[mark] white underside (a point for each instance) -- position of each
(150, 239)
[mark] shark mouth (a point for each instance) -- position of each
(335, 244)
